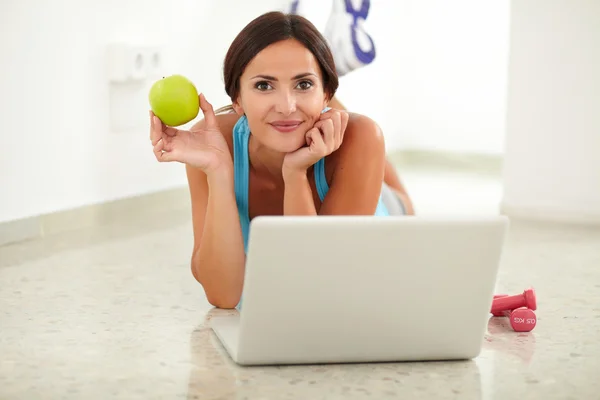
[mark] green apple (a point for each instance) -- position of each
(174, 100)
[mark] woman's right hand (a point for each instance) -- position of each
(203, 147)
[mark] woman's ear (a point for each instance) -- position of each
(237, 107)
(326, 100)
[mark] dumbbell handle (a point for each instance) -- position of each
(502, 303)
(499, 313)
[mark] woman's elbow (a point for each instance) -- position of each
(217, 297)
(220, 301)
(220, 297)
(218, 294)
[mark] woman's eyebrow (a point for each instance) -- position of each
(272, 78)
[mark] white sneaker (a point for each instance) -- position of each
(294, 7)
(352, 47)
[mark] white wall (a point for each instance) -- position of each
(441, 71)
(58, 151)
(552, 168)
(436, 83)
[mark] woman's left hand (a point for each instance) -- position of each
(322, 139)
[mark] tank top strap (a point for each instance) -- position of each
(321, 179)
(319, 171)
(241, 165)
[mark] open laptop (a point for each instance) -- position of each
(346, 289)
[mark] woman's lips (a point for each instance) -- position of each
(286, 126)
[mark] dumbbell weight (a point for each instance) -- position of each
(521, 319)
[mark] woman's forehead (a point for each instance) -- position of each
(283, 60)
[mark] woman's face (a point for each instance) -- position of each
(282, 95)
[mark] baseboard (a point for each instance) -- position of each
(489, 164)
(548, 215)
(20, 230)
(137, 208)
(150, 205)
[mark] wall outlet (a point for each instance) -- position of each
(154, 61)
(127, 62)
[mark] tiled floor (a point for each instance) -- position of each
(114, 313)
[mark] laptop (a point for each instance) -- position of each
(359, 289)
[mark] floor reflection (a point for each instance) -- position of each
(502, 338)
(214, 375)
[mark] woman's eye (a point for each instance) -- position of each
(262, 86)
(305, 85)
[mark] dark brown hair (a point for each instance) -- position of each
(270, 28)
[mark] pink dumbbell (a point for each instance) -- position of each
(504, 303)
(521, 319)
(498, 313)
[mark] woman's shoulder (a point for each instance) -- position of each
(360, 123)
(363, 133)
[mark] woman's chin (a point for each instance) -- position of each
(288, 145)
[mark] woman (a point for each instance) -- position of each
(282, 151)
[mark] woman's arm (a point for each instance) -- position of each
(393, 181)
(297, 197)
(359, 170)
(218, 256)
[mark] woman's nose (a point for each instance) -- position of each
(286, 103)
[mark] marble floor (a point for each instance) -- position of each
(114, 313)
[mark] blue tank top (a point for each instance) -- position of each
(241, 136)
